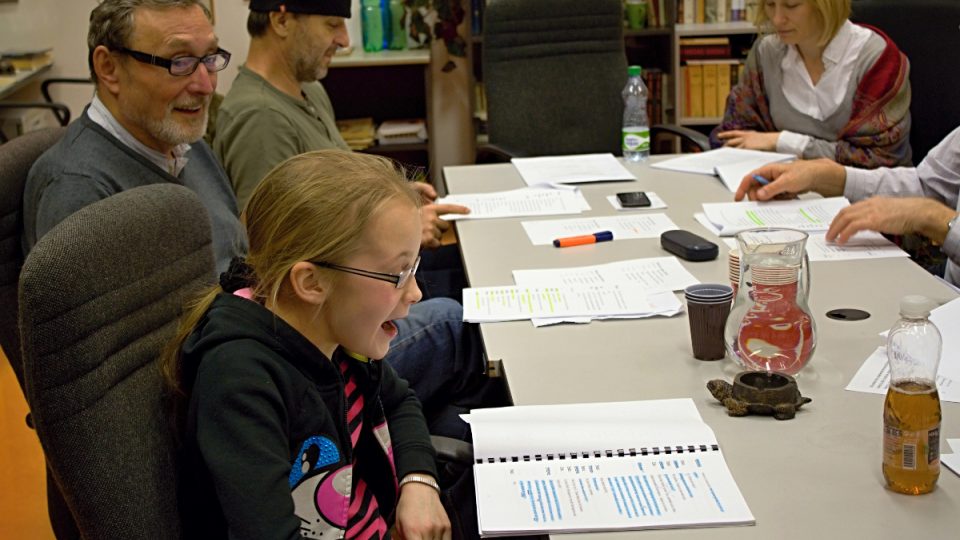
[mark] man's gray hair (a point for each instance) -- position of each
(111, 22)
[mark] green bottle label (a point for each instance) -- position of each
(636, 139)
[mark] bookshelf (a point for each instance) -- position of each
(740, 34)
(384, 85)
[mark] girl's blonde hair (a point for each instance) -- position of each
(314, 206)
(831, 14)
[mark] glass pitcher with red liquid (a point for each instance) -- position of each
(770, 327)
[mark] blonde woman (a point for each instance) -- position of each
(292, 426)
(818, 86)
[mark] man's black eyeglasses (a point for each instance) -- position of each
(182, 65)
(399, 280)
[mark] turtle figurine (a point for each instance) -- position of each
(756, 392)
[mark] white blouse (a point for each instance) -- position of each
(822, 99)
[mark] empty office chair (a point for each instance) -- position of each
(100, 295)
(927, 32)
(16, 158)
(553, 71)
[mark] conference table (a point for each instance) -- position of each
(816, 476)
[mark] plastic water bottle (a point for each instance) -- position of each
(398, 34)
(636, 126)
(911, 412)
(376, 25)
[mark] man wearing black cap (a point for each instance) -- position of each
(277, 108)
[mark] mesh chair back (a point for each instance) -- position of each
(100, 295)
(927, 32)
(553, 71)
(16, 158)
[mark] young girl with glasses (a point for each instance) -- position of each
(291, 425)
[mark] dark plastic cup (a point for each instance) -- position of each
(708, 305)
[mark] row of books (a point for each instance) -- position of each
(706, 85)
(27, 59)
(716, 11)
(656, 80)
(704, 48)
(359, 133)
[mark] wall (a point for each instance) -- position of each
(61, 24)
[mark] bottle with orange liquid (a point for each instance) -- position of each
(911, 412)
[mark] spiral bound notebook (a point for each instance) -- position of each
(600, 467)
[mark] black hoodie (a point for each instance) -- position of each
(266, 450)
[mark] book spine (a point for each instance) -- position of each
(633, 452)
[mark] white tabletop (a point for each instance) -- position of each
(817, 476)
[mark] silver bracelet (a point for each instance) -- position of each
(420, 479)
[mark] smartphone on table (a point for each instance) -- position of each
(633, 199)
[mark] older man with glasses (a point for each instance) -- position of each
(155, 65)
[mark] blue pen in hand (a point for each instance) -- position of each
(763, 181)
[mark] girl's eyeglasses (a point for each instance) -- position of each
(399, 280)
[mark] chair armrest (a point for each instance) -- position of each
(691, 140)
(493, 153)
(45, 90)
(45, 85)
(454, 450)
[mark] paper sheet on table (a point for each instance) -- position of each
(623, 227)
(514, 303)
(571, 169)
(654, 274)
(517, 203)
(802, 214)
(863, 245)
(952, 460)
(656, 203)
(731, 174)
(873, 377)
(707, 162)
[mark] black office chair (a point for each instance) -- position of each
(553, 72)
(100, 295)
(927, 32)
(47, 83)
(16, 158)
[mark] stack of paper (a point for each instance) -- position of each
(874, 375)
(654, 275)
(730, 164)
(402, 131)
(357, 132)
(571, 169)
(634, 288)
(539, 201)
(513, 303)
(727, 219)
(27, 59)
(952, 460)
(863, 245)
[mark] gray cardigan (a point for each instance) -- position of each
(89, 164)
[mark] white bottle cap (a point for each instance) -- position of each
(915, 306)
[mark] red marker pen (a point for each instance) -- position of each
(602, 236)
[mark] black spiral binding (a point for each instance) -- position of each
(632, 452)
